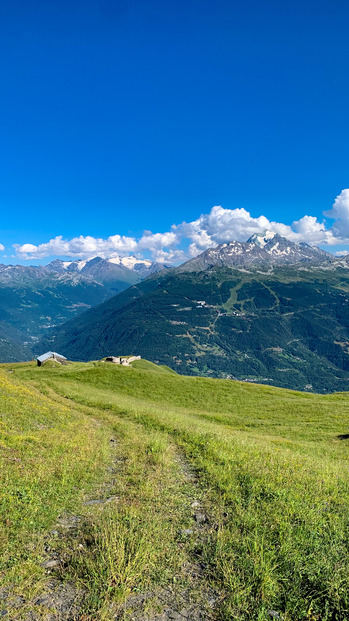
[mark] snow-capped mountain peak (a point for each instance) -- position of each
(111, 266)
(261, 240)
(129, 262)
(259, 250)
(81, 264)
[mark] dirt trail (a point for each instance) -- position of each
(59, 600)
(196, 601)
(189, 597)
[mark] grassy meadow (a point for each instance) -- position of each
(268, 466)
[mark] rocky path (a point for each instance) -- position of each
(192, 599)
(59, 600)
(188, 597)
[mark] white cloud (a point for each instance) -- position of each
(218, 226)
(170, 256)
(2, 248)
(342, 253)
(340, 214)
(311, 231)
(157, 241)
(79, 247)
(160, 245)
(221, 225)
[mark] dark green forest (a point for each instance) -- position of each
(289, 327)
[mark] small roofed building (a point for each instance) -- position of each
(122, 360)
(114, 359)
(51, 355)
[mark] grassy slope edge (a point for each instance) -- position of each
(272, 471)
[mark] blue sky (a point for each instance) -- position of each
(119, 117)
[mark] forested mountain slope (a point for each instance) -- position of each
(288, 326)
(32, 300)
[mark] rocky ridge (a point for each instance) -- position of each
(259, 251)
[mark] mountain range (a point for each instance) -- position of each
(36, 298)
(267, 310)
(115, 269)
(259, 251)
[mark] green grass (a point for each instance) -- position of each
(146, 365)
(50, 455)
(134, 544)
(271, 468)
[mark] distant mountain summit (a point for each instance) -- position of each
(128, 269)
(35, 298)
(258, 251)
(143, 267)
(115, 276)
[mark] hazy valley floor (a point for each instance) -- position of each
(134, 493)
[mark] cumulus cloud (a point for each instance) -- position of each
(221, 225)
(157, 241)
(2, 248)
(340, 214)
(79, 247)
(161, 246)
(218, 226)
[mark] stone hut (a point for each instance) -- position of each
(120, 360)
(51, 355)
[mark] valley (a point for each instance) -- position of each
(34, 299)
(286, 327)
(267, 311)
